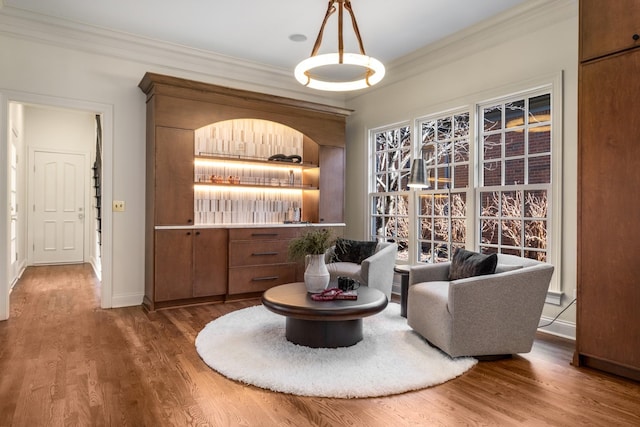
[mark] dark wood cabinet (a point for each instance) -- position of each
(182, 256)
(608, 27)
(608, 314)
(332, 166)
(258, 259)
(173, 176)
(173, 265)
(190, 263)
(209, 262)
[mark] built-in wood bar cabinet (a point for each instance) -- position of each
(231, 177)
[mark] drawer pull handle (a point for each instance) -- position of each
(262, 279)
(263, 234)
(264, 253)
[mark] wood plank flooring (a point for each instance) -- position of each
(66, 362)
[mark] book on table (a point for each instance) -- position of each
(332, 294)
(352, 294)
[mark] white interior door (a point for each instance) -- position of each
(58, 208)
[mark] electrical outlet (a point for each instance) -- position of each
(118, 206)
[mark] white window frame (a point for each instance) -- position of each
(451, 191)
(552, 82)
(553, 85)
(372, 193)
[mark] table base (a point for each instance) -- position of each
(319, 334)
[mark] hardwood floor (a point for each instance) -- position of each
(65, 361)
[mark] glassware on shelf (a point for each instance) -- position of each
(220, 172)
(222, 205)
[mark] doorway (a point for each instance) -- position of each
(7, 264)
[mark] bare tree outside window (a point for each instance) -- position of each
(443, 208)
(508, 181)
(515, 159)
(390, 200)
(514, 222)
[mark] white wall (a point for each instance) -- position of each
(500, 56)
(51, 128)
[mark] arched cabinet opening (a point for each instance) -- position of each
(254, 171)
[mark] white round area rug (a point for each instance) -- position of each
(249, 345)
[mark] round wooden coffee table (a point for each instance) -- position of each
(331, 324)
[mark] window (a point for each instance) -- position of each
(390, 199)
(495, 175)
(442, 208)
(515, 176)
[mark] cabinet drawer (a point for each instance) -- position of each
(273, 233)
(246, 252)
(245, 280)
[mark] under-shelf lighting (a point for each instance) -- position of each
(245, 188)
(254, 166)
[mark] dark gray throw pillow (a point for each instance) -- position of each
(353, 250)
(468, 264)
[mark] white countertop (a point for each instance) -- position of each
(201, 226)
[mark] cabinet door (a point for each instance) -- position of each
(331, 206)
(210, 262)
(608, 229)
(608, 26)
(174, 176)
(173, 265)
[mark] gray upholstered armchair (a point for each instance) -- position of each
(490, 315)
(375, 271)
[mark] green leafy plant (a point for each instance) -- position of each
(312, 242)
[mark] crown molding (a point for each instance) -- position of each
(226, 70)
(157, 55)
(530, 16)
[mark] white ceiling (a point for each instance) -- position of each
(259, 30)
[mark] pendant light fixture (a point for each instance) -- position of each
(374, 70)
(418, 175)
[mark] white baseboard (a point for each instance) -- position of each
(18, 276)
(128, 300)
(554, 298)
(559, 328)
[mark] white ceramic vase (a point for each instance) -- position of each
(316, 275)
